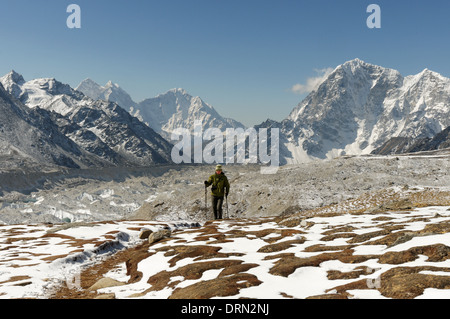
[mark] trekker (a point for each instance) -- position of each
(220, 188)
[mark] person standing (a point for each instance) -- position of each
(220, 187)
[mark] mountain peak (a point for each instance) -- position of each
(89, 88)
(89, 81)
(14, 77)
(111, 92)
(12, 83)
(355, 61)
(110, 84)
(361, 105)
(427, 71)
(357, 64)
(179, 91)
(176, 92)
(426, 76)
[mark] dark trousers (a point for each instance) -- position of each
(217, 203)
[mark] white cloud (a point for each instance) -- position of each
(312, 83)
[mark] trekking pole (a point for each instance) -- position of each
(226, 202)
(206, 198)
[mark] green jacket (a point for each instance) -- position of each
(220, 185)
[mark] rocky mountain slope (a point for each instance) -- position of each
(29, 138)
(400, 145)
(103, 130)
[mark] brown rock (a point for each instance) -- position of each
(336, 274)
(435, 253)
(408, 283)
(145, 233)
(281, 246)
(401, 282)
(105, 283)
(400, 204)
(365, 237)
(287, 264)
(235, 269)
(219, 287)
(199, 252)
(360, 284)
(106, 296)
(329, 296)
(157, 236)
(192, 271)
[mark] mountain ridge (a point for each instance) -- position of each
(405, 145)
(105, 131)
(356, 109)
(165, 112)
(29, 138)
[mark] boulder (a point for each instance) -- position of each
(105, 283)
(145, 233)
(157, 236)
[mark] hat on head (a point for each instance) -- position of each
(218, 167)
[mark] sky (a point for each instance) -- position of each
(250, 59)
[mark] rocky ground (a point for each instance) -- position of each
(389, 244)
(392, 243)
(293, 188)
(356, 227)
(177, 192)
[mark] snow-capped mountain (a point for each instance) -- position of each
(111, 92)
(355, 110)
(102, 129)
(360, 106)
(178, 109)
(46, 93)
(29, 138)
(165, 112)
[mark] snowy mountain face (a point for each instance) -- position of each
(124, 134)
(47, 94)
(360, 106)
(177, 109)
(105, 131)
(165, 112)
(110, 92)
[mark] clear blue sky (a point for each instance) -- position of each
(241, 56)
